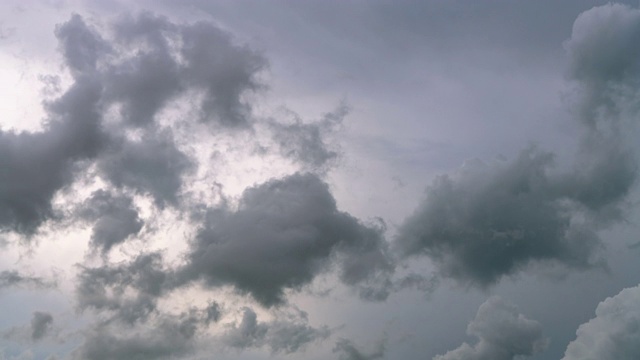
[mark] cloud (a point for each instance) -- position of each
(348, 351)
(80, 45)
(139, 68)
(305, 142)
(153, 165)
(160, 60)
(284, 233)
(37, 165)
(144, 81)
(503, 334)
(128, 291)
(115, 219)
(162, 338)
(614, 333)
(603, 60)
(12, 278)
(281, 336)
(493, 221)
(224, 71)
(40, 325)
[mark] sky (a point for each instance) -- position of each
(349, 180)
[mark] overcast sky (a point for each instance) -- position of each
(349, 180)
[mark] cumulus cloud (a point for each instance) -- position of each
(614, 333)
(488, 222)
(284, 233)
(503, 334)
(115, 219)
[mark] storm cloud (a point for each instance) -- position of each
(503, 334)
(283, 233)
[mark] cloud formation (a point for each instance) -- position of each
(13, 278)
(128, 292)
(614, 333)
(491, 221)
(40, 325)
(284, 233)
(281, 336)
(503, 334)
(115, 219)
(348, 351)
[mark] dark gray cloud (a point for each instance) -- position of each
(484, 224)
(224, 71)
(80, 45)
(503, 334)
(144, 81)
(282, 235)
(115, 217)
(348, 351)
(41, 323)
(140, 69)
(160, 60)
(614, 333)
(153, 165)
(37, 165)
(492, 221)
(281, 336)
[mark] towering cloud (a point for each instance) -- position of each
(503, 334)
(613, 334)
